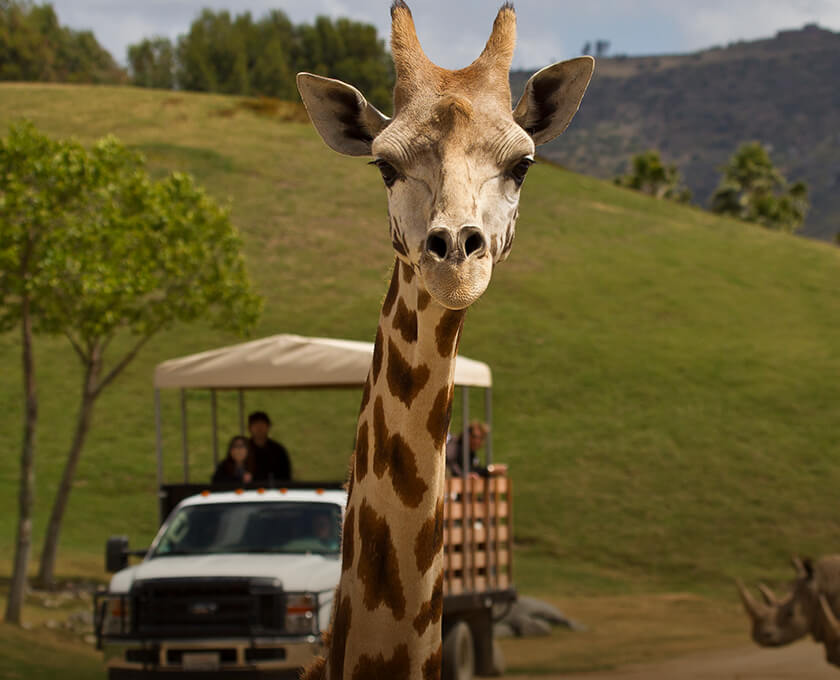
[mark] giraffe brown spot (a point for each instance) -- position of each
(432, 665)
(429, 540)
(347, 547)
(405, 320)
(404, 381)
(378, 568)
(392, 453)
(432, 610)
(447, 331)
(366, 390)
(398, 667)
(399, 247)
(376, 365)
(338, 637)
(393, 289)
(408, 273)
(361, 453)
(440, 415)
(397, 457)
(423, 299)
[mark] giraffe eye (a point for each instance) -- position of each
(517, 172)
(389, 172)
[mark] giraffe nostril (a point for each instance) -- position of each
(473, 244)
(438, 245)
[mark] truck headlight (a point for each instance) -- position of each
(116, 615)
(301, 614)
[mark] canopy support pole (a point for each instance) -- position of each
(488, 418)
(184, 445)
(159, 447)
(467, 495)
(241, 413)
(215, 429)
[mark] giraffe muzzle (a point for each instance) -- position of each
(454, 265)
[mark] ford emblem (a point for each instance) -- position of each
(204, 608)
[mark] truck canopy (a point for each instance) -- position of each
(289, 361)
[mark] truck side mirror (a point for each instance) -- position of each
(116, 553)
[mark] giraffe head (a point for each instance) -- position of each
(454, 155)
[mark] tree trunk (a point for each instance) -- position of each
(46, 573)
(26, 494)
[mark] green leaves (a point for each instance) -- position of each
(103, 249)
(752, 189)
(240, 55)
(651, 176)
(34, 46)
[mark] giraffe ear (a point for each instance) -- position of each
(552, 97)
(343, 117)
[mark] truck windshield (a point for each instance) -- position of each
(263, 527)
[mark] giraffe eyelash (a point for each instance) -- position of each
(389, 173)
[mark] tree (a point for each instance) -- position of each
(40, 181)
(242, 56)
(152, 63)
(34, 46)
(135, 258)
(650, 176)
(753, 190)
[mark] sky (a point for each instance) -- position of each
(453, 32)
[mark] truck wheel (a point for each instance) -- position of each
(458, 653)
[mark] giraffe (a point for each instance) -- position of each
(453, 158)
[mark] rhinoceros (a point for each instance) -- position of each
(810, 608)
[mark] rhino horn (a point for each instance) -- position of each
(799, 567)
(754, 609)
(768, 595)
(831, 627)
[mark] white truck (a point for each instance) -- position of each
(239, 582)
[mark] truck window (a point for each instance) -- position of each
(252, 528)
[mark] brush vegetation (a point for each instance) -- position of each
(665, 380)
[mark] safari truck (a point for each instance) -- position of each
(239, 581)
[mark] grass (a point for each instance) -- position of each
(665, 380)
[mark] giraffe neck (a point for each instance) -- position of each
(387, 620)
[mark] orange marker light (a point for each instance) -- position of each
(205, 493)
(283, 490)
(260, 490)
(319, 491)
(239, 491)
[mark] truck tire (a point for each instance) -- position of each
(458, 653)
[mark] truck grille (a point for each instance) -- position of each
(207, 607)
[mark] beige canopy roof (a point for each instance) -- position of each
(290, 361)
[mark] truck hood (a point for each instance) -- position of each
(301, 572)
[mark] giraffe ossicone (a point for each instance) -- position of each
(453, 158)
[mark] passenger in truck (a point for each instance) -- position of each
(270, 457)
(238, 465)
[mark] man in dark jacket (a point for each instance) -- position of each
(271, 460)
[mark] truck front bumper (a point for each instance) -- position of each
(274, 657)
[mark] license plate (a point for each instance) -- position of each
(200, 661)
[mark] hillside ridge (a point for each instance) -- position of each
(664, 379)
(698, 108)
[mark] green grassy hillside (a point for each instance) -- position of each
(665, 381)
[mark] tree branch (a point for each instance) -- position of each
(76, 347)
(116, 370)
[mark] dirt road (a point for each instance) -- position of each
(801, 661)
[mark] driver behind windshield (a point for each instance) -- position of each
(323, 529)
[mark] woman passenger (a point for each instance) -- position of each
(238, 465)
